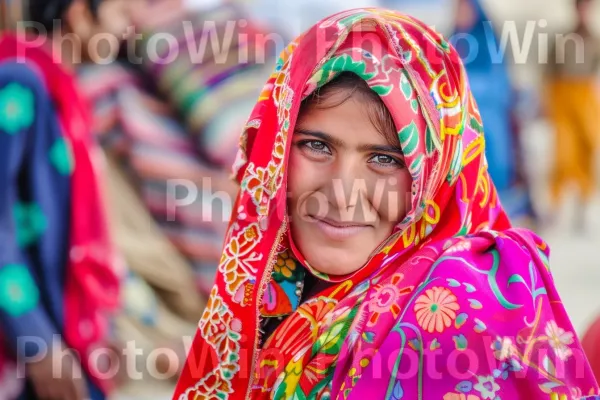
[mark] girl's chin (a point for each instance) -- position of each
(336, 266)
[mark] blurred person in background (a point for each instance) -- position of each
(156, 122)
(170, 131)
(572, 105)
(496, 97)
(59, 273)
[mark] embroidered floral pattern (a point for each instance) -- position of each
(559, 340)
(503, 349)
(285, 268)
(238, 257)
(387, 299)
(436, 309)
(487, 386)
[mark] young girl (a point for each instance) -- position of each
(369, 256)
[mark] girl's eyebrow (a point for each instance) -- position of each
(337, 142)
(381, 148)
(321, 135)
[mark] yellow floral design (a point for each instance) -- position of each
(285, 265)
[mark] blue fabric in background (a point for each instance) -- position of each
(35, 177)
(493, 92)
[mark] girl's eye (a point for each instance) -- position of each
(316, 146)
(384, 160)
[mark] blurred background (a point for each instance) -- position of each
(160, 117)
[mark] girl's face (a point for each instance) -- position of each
(348, 186)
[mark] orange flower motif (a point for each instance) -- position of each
(238, 257)
(279, 148)
(255, 184)
(436, 309)
(387, 299)
(215, 321)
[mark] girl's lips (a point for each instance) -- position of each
(338, 231)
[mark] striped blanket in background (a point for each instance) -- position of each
(181, 121)
(223, 60)
(154, 149)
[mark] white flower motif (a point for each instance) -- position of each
(241, 213)
(487, 386)
(503, 348)
(559, 340)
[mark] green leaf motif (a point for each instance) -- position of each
(331, 340)
(476, 126)
(461, 342)
(475, 304)
(434, 345)
(469, 288)
(415, 166)
(445, 45)
(368, 337)
(415, 344)
(382, 90)
(453, 282)
(409, 138)
(429, 144)
(414, 105)
(460, 320)
(479, 326)
(516, 278)
(405, 86)
(344, 63)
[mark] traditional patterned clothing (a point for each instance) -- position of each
(58, 271)
(455, 304)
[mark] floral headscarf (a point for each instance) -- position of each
(453, 279)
